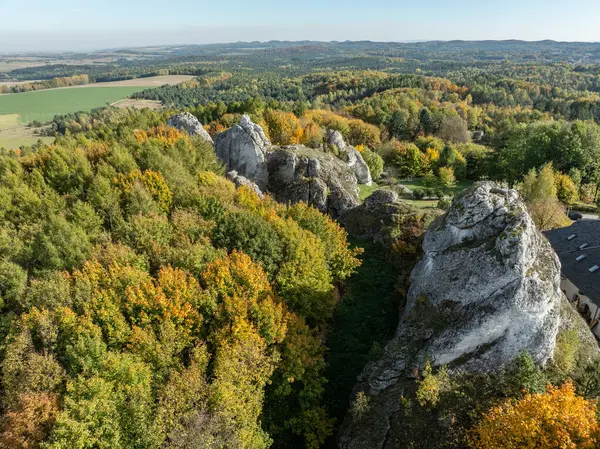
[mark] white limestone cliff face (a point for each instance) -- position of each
(243, 148)
(486, 260)
(486, 290)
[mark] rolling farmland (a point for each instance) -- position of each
(43, 105)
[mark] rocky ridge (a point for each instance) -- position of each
(292, 173)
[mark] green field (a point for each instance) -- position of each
(417, 183)
(13, 133)
(43, 105)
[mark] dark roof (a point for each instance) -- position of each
(569, 249)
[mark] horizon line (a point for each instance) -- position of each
(407, 41)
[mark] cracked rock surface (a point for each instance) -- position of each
(486, 289)
(355, 159)
(298, 173)
(243, 148)
(290, 173)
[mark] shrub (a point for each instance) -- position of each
(446, 179)
(444, 204)
(360, 405)
(374, 161)
(418, 194)
(556, 418)
(430, 386)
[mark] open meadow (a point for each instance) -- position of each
(43, 105)
(18, 110)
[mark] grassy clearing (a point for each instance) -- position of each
(43, 105)
(6, 66)
(365, 190)
(9, 121)
(417, 183)
(152, 81)
(24, 139)
(13, 133)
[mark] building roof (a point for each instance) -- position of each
(578, 248)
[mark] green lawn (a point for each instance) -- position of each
(43, 105)
(365, 190)
(9, 121)
(416, 183)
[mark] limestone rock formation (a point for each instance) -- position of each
(355, 159)
(298, 173)
(243, 148)
(239, 181)
(190, 124)
(255, 131)
(486, 289)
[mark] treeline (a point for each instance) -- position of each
(409, 120)
(75, 80)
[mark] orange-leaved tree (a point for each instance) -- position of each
(557, 418)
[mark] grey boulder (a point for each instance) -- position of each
(190, 124)
(354, 159)
(243, 148)
(298, 173)
(240, 181)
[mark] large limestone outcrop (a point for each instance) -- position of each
(355, 159)
(486, 289)
(298, 173)
(291, 174)
(190, 124)
(243, 148)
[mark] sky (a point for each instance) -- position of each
(82, 25)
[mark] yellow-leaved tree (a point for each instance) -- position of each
(557, 418)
